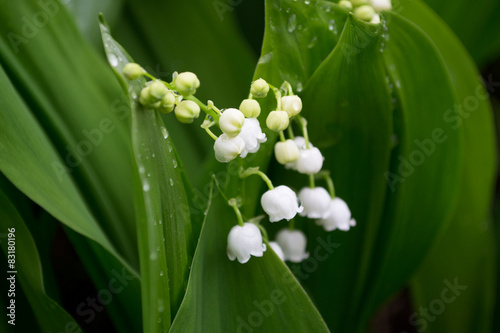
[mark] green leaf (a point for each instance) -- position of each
(467, 243)
(74, 97)
(475, 23)
(348, 107)
(50, 316)
(298, 37)
(224, 296)
(164, 225)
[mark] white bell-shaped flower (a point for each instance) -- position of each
(277, 249)
(293, 243)
(301, 143)
(292, 105)
(380, 5)
(339, 216)
(252, 135)
(227, 149)
(231, 121)
(280, 203)
(316, 202)
(310, 161)
(245, 241)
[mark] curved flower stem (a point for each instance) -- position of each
(210, 133)
(303, 123)
(255, 171)
(282, 136)
(312, 184)
(329, 182)
(264, 232)
(277, 95)
(266, 179)
(232, 203)
(290, 132)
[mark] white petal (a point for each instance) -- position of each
(310, 161)
(339, 216)
(244, 241)
(293, 243)
(280, 203)
(227, 149)
(252, 135)
(316, 202)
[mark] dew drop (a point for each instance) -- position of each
(171, 182)
(332, 26)
(164, 132)
(145, 187)
(141, 169)
(174, 162)
(113, 60)
(292, 23)
(161, 274)
(312, 43)
(300, 87)
(153, 256)
(307, 2)
(266, 58)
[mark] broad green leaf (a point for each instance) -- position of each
(74, 97)
(226, 296)
(164, 225)
(26, 160)
(298, 37)
(475, 23)
(50, 316)
(348, 106)
(428, 156)
(467, 243)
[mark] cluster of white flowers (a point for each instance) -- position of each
(240, 135)
(367, 10)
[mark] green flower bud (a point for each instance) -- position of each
(277, 121)
(186, 111)
(292, 105)
(186, 83)
(250, 108)
(365, 13)
(259, 88)
(286, 151)
(346, 4)
(133, 71)
(145, 98)
(157, 91)
(168, 102)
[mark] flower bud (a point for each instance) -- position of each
(250, 108)
(252, 134)
(316, 202)
(380, 5)
(286, 152)
(157, 91)
(133, 71)
(310, 161)
(338, 217)
(293, 243)
(280, 203)
(245, 241)
(346, 4)
(227, 149)
(365, 13)
(186, 111)
(259, 88)
(277, 121)
(186, 83)
(147, 99)
(168, 102)
(292, 105)
(277, 249)
(231, 121)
